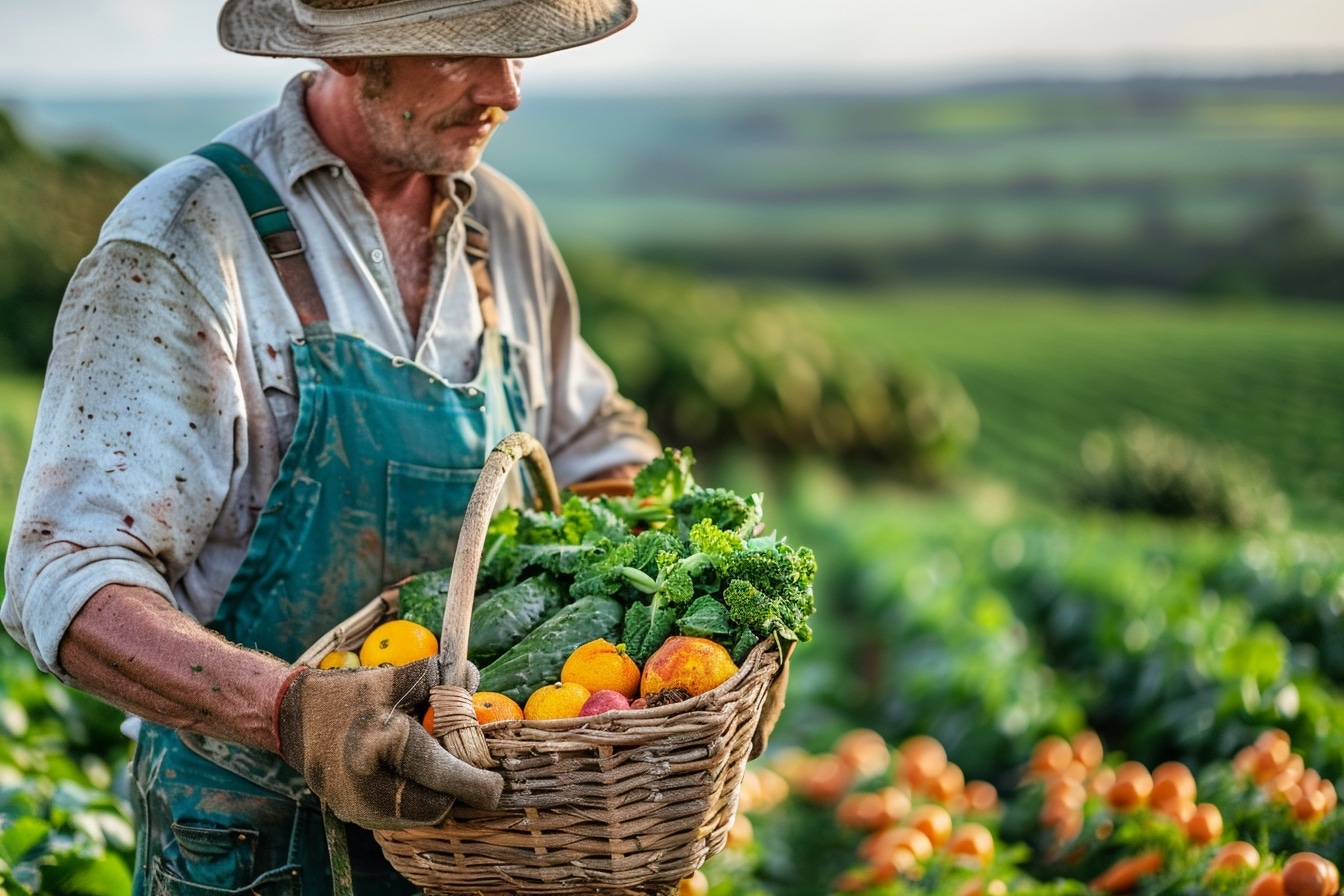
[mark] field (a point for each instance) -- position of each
(1049, 261)
(1047, 366)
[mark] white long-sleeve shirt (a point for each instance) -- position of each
(170, 395)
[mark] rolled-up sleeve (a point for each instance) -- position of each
(132, 454)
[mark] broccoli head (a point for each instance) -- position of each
(770, 590)
(725, 508)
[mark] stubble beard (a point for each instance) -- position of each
(426, 147)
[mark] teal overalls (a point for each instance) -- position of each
(372, 489)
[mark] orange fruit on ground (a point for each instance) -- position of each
(340, 659)
(492, 706)
(869, 811)
(1206, 825)
(865, 750)
(824, 779)
(1307, 874)
(948, 785)
(693, 664)
(695, 885)
(740, 834)
(397, 643)
(1087, 749)
(972, 840)
(1050, 756)
(1172, 782)
(880, 846)
(1133, 785)
(1268, 884)
(602, 666)
(861, 811)
(981, 796)
(561, 700)
(923, 759)
(1234, 857)
(933, 820)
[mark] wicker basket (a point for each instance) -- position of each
(627, 803)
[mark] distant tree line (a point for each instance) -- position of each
(1290, 251)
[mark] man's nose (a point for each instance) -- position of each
(496, 82)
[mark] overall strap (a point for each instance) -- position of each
(273, 225)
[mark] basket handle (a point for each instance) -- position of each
(471, 541)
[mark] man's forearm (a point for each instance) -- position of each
(131, 648)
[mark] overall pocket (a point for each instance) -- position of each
(209, 859)
(425, 506)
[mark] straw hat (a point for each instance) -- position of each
(319, 29)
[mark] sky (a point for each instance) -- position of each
(90, 48)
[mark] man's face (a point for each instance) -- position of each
(434, 114)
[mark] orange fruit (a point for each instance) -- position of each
(865, 750)
(1268, 884)
(892, 865)
(428, 720)
(923, 759)
(1307, 874)
(1125, 874)
(694, 664)
(948, 785)
(740, 834)
(981, 796)
(602, 666)
(1206, 825)
(972, 840)
(1172, 782)
(862, 811)
(561, 700)
(695, 885)
(397, 643)
(340, 659)
(879, 847)
(1234, 857)
(1132, 787)
(1051, 755)
(1087, 749)
(824, 779)
(492, 706)
(933, 820)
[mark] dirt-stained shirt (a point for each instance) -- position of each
(170, 393)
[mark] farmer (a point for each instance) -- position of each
(272, 386)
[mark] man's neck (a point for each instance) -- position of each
(406, 203)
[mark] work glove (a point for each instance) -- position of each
(351, 734)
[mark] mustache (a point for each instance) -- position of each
(492, 115)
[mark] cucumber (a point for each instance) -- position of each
(537, 659)
(504, 616)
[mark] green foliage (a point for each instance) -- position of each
(715, 367)
(64, 823)
(1152, 469)
(990, 633)
(51, 208)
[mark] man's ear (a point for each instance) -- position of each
(345, 66)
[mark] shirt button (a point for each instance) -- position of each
(377, 256)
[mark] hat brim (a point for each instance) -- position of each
(512, 28)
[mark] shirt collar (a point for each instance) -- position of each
(300, 151)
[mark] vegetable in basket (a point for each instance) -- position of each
(677, 558)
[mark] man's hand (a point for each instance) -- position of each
(349, 732)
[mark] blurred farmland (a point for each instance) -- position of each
(924, 325)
